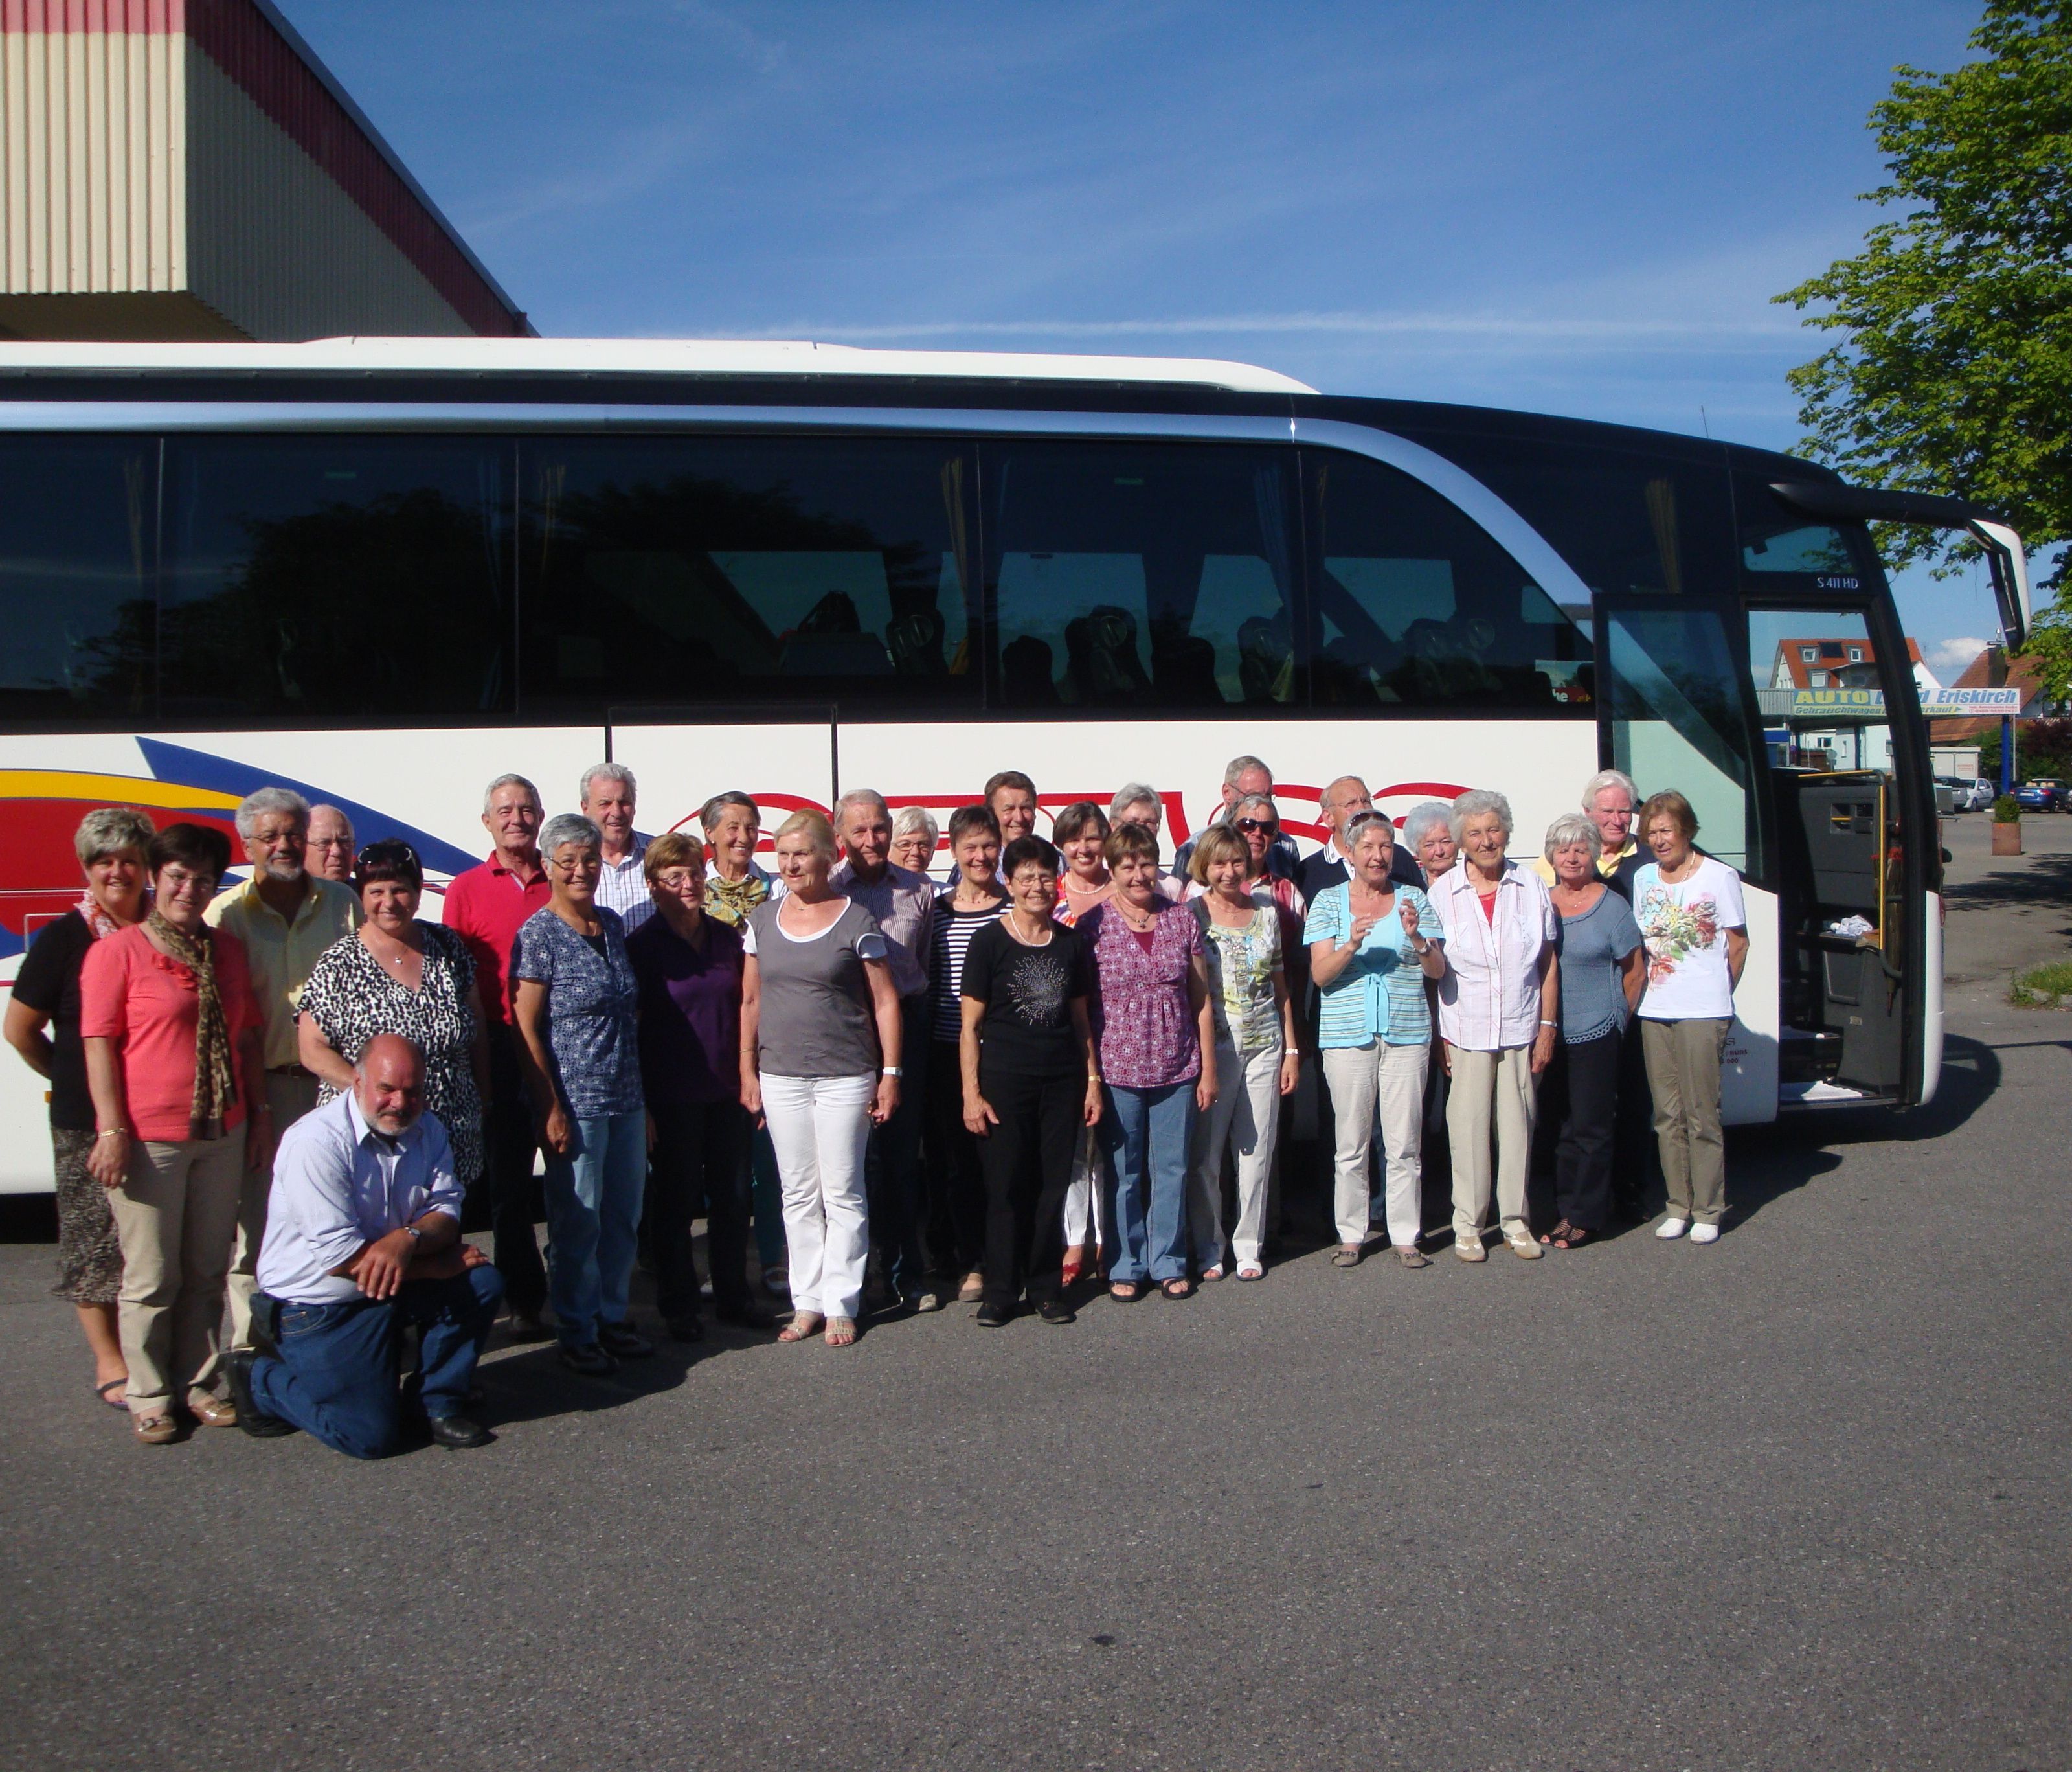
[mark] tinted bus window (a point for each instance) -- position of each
(717, 569)
(1141, 575)
(77, 539)
(1416, 605)
(335, 579)
(1781, 548)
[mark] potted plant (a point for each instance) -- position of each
(2007, 825)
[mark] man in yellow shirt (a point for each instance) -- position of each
(285, 918)
(1612, 801)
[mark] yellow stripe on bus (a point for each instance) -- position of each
(124, 790)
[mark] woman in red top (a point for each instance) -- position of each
(172, 1029)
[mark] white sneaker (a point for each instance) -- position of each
(1705, 1232)
(1670, 1229)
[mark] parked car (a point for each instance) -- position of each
(1984, 792)
(1963, 794)
(1945, 797)
(2061, 791)
(2037, 797)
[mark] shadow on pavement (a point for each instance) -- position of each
(2047, 879)
(529, 1383)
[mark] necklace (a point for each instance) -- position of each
(1130, 914)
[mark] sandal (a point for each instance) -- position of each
(117, 1385)
(1569, 1236)
(1176, 1288)
(842, 1332)
(804, 1325)
(213, 1411)
(1125, 1291)
(1553, 1238)
(1250, 1270)
(1076, 1261)
(159, 1430)
(1345, 1255)
(1216, 1272)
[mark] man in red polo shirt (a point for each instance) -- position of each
(485, 906)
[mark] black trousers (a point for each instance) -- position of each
(1028, 1164)
(1637, 1181)
(1588, 1121)
(698, 1164)
(517, 1201)
(956, 1190)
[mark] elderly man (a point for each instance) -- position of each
(1337, 806)
(1010, 796)
(904, 903)
(331, 846)
(1246, 776)
(285, 918)
(605, 798)
(1611, 799)
(364, 1241)
(485, 906)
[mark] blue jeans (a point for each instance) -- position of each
(1147, 1133)
(334, 1372)
(594, 1223)
(892, 1171)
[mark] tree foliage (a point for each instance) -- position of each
(1953, 371)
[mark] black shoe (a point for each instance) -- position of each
(994, 1316)
(590, 1359)
(250, 1417)
(687, 1328)
(526, 1324)
(745, 1313)
(624, 1341)
(457, 1433)
(1056, 1310)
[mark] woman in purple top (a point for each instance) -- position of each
(688, 968)
(1157, 1057)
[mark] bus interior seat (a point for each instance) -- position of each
(1025, 673)
(1102, 666)
(1184, 668)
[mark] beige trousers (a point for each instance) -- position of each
(1493, 1094)
(1683, 1060)
(176, 1213)
(1378, 1086)
(289, 1097)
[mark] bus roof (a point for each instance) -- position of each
(745, 357)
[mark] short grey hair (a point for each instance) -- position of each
(605, 772)
(1574, 827)
(256, 805)
(109, 830)
(1127, 795)
(1609, 778)
(1240, 766)
(567, 827)
(909, 819)
(1361, 823)
(1422, 817)
(1476, 803)
(862, 796)
(489, 793)
(1266, 800)
(715, 809)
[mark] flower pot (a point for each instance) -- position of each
(2007, 839)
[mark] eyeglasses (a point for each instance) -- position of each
(675, 879)
(1251, 827)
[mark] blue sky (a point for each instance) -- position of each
(1579, 207)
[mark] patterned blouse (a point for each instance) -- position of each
(1148, 1035)
(1242, 962)
(351, 998)
(593, 1004)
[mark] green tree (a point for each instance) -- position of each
(1953, 371)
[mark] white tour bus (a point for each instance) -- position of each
(383, 571)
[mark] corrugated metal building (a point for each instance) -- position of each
(188, 169)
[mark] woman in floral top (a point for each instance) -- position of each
(1153, 1021)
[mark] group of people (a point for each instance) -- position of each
(1069, 1065)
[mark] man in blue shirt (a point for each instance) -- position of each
(362, 1237)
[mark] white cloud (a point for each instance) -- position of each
(1947, 658)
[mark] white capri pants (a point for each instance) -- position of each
(1082, 1198)
(1379, 1086)
(820, 1127)
(1246, 1114)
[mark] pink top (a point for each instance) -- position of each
(486, 907)
(131, 993)
(1148, 1034)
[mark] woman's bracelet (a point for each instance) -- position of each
(112, 1131)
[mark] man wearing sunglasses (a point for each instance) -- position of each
(1247, 778)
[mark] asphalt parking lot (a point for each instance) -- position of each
(1795, 1500)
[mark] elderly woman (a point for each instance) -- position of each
(820, 1064)
(1258, 1059)
(577, 1010)
(914, 836)
(1156, 1038)
(1602, 969)
(1428, 834)
(1373, 942)
(1498, 1016)
(689, 966)
(1138, 803)
(398, 974)
(43, 1026)
(172, 1028)
(1688, 906)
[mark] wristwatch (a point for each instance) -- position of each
(414, 1234)
(891, 1070)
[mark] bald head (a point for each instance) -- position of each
(1340, 803)
(329, 845)
(388, 1083)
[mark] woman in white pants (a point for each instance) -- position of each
(1256, 1049)
(1373, 942)
(820, 1066)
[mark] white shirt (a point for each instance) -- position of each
(1684, 927)
(1490, 997)
(622, 885)
(338, 1185)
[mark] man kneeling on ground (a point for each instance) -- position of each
(362, 1237)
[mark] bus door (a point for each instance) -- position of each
(1676, 710)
